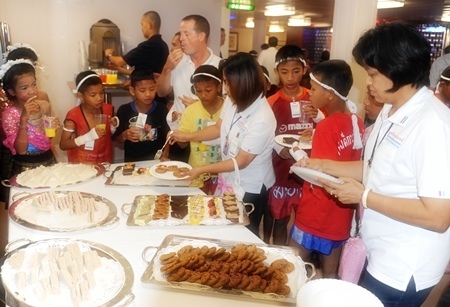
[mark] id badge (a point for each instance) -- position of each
(89, 145)
(295, 109)
(141, 120)
(225, 147)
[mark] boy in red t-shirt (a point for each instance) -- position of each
(285, 195)
(321, 225)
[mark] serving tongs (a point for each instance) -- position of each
(160, 151)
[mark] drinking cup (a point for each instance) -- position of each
(50, 127)
(111, 77)
(100, 121)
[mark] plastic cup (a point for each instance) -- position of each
(304, 118)
(50, 127)
(111, 77)
(102, 74)
(133, 124)
(100, 121)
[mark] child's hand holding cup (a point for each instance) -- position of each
(50, 126)
(100, 124)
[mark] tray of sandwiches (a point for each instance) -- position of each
(63, 211)
(187, 210)
(230, 268)
(131, 174)
(65, 272)
(56, 175)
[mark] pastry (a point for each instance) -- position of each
(289, 140)
(128, 169)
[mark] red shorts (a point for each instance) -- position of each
(283, 200)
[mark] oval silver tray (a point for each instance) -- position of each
(109, 220)
(12, 182)
(123, 297)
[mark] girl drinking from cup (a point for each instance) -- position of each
(85, 138)
(22, 122)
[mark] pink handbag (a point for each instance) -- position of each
(353, 256)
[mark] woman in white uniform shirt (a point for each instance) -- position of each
(246, 128)
(405, 174)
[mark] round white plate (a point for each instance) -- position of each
(168, 175)
(336, 293)
(301, 145)
(311, 175)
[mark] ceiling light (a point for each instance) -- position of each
(245, 5)
(250, 23)
(445, 18)
(279, 10)
(388, 4)
(299, 21)
(276, 29)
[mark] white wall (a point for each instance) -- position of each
(55, 27)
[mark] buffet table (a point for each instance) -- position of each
(131, 241)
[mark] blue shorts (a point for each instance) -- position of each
(314, 243)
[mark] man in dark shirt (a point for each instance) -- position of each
(150, 54)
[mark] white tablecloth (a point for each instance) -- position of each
(131, 241)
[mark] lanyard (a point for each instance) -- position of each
(233, 122)
(369, 163)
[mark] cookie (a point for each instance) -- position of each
(172, 168)
(183, 169)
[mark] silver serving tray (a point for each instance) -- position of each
(173, 242)
(184, 222)
(122, 298)
(110, 219)
(12, 182)
(155, 182)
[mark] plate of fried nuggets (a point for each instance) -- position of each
(262, 272)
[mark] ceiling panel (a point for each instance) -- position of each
(321, 11)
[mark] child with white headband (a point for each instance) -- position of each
(84, 140)
(321, 225)
(22, 122)
(207, 86)
(287, 105)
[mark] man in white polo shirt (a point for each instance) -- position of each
(181, 64)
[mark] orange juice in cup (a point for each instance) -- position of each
(100, 121)
(50, 127)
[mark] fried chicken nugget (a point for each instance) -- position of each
(283, 265)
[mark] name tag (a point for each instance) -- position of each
(295, 109)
